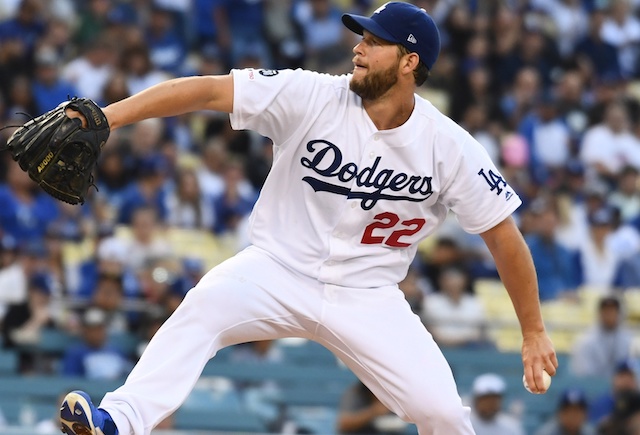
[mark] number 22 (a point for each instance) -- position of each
(389, 220)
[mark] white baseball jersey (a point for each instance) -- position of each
(346, 203)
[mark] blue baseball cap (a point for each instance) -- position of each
(401, 23)
(573, 396)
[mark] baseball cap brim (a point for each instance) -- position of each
(358, 24)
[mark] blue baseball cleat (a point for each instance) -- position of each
(78, 416)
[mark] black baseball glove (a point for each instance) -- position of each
(59, 153)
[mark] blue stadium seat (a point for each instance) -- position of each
(285, 373)
(221, 397)
(307, 353)
(8, 362)
(228, 421)
(303, 395)
(49, 388)
(125, 342)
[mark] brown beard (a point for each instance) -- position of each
(375, 84)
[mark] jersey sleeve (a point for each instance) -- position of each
(476, 192)
(271, 102)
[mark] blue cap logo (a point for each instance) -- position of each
(401, 23)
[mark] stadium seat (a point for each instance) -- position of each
(217, 394)
(8, 362)
(285, 373)
(306, 352)
(303, 395)
(228, 421)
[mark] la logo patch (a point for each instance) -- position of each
(268, 72)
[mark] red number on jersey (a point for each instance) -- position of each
(388, 220)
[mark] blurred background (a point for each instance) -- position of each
(550, 88)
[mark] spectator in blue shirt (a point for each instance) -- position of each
(25, 210)
(624, 379)
(93, 358)
(240, 29)
(232, 205)
(555, 264)
(147, 191)
(25, 28)
(600, 55)
(49, 89)
(166, 49)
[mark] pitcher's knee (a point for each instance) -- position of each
(439, 414)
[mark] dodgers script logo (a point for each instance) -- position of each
(326, 161)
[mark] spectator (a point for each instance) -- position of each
(91, 71)
(114, 89)
(111, 259)
(475, 121)
(453, 317)
(205, 30)
(161, 284)
(570, 22)
(234, 203)
(574, 104)
(109, 297)
(622, 30)
(21, 100)
(49, 89)
(598, 261)
(93, 358)
(555, 264)
(474, 88)
(19, 35)
(598, 351)
(283, 34)
(571, 416)
(239, 24)
(601, 57)
(413, 289)
(215, 157)
(13, 283)
(446, 253)
(93, 20)
(166, 48)
(25, 210)
(625, 419)
(146, 242)
(487, 416)
(516, 103)
(549, 139)
(627, 197)
(24, 321)
(71, 223)
(136, 64)
(360, 411)
(624, 380)
(623, 148)
(187, 206)
(114, 177)
(149, 190)
(14, 279)
(327, 43)
(624, 239)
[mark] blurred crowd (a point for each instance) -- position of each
(551, 89)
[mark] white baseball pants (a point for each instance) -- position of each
(253, 297)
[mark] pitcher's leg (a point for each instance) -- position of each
(375, 333)
(223, 309)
